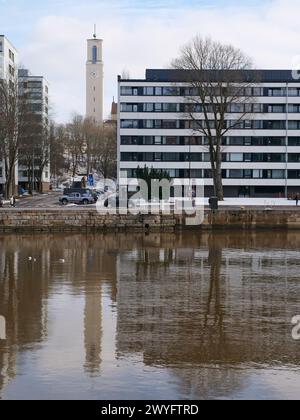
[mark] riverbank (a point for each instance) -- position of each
(89, 220)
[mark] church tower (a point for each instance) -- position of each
(94, 79)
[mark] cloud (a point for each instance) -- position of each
(135, 39)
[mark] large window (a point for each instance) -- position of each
(236, 157)
(129, 124)
(148, 91)
(277, 92)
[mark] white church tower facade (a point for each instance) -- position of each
(94, 79)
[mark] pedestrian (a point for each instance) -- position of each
(1, 202)
(13, 201)
(297, 199)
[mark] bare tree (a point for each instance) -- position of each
(42, 153)
(75, 143)
(13, 119)
(58, 161)
(29, 139)
(105, 151)
(220, 83)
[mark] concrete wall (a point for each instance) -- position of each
(14, 220)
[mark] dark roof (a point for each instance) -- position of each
(263, 76)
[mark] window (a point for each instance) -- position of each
(277, 92)
(129, 108)
(158, 91)
(171, 157)
(171, 141)
(256, 173)
(257, 91)
(1, 46)
(236, 173)
(94, 54)
(294, 125)
(236, 141)
(237, 108)
(294, 141)
(274, 125)
(149, 124)
(294, 108)
(170, 107)
(170, 124)
(171, 91)
(11, 56)
(248, 124)
(195, 157)
(126, 91)
(257, 125)
(206, 157)
(294, 174)
(279, 109)
(11, 70)
(278, 174)
(148, 107)
(236, 157)
(247, 157)
(129, 124)
(196, 173)
(293, 92)
(148, 91)
(294, 157)
(257, 108)
(157, 140)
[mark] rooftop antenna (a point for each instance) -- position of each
(95, 31)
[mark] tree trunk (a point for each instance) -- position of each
(218, 184)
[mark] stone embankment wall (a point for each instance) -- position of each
(81, 220)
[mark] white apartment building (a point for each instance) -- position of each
(261, 155)
(8, 66)
(36, 91)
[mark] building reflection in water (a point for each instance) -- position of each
(187, 302)
(210, 300)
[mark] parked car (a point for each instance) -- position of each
(77, 198)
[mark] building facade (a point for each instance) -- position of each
(261, 154)
(94, 80)
(36, 91)
(8, 69)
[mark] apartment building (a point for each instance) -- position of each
(8, 66)
(261, 154)
(35, 90)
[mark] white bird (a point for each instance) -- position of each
(30, 259)
(62, 261)
(34, 260)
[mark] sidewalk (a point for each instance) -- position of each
(255, 202)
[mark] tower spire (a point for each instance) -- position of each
(95, 31)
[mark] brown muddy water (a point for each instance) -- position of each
(163, 316)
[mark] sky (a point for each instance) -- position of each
(50, 36)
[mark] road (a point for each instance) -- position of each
(39, 201)
(51, 200)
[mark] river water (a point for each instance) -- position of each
(159, 316)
